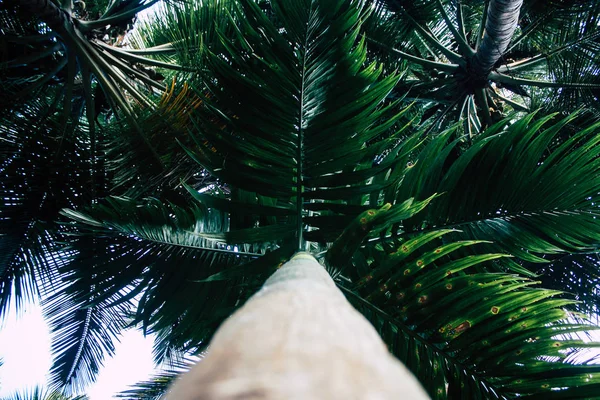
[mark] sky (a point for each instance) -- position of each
(25, 351)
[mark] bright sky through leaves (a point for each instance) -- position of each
(25, 351)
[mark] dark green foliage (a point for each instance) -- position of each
(289, 134)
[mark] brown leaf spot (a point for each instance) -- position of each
(449, 286)
(423, 299)
(420, 263)
(418, 286)
(400, 295)
(495, 310)
(463, 327)
(406, 271)
(437, 251)
(371, 212)
(404, 249)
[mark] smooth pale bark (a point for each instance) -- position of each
(297, 338)
(500, 25)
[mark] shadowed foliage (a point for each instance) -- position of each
(465, 233)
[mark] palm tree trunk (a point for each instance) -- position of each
(502, 18)
(297, 338)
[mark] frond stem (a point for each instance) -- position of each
(541, 57)
(463, 46)
(87, 26)
(502, 78)
(421, 61)
(452, 56)
(510, 102)
(143, 60)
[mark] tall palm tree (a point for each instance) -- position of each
(471, 60)
(298, 145)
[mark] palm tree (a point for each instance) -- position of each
(298, 145)
(471, 60)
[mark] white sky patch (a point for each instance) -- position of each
(132, 363)
(25, 351)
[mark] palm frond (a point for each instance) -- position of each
(124, 251)
(157, 386)
(516, 185)
(465, 334)
(578, 274)
(134, 169)
(303, 160)
(42, 172)
(82, 335)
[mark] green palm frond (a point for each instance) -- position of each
(47, 45)
(160, 257)
(157, 386)
(183, 31)
(42, 172)
(317, 153)
(82, 335)
(482, 335)
(294, 138)
(134, 169)
(578, 275)
(515, 185)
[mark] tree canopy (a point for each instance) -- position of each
(439, 158)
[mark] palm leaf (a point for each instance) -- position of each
(509, 188)
(299, 160)
(306, 150)
(157, 386)
(33, 190)
(469, 335)
(133, 249)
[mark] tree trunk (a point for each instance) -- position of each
(502, 18)
(297, 338)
